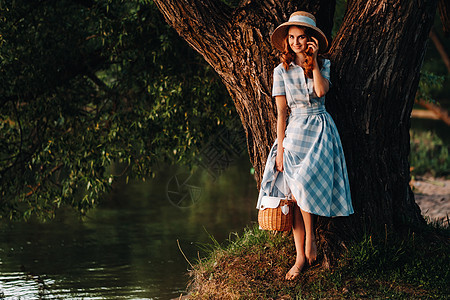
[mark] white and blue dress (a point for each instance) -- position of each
(314, 168)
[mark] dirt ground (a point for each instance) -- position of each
(433, 197)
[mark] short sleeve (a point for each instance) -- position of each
(325, 71)
(278, 82)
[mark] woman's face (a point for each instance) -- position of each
(297, 39)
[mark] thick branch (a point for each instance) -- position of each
(440, 48)
(439, 111)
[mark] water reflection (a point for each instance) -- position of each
(127, 248)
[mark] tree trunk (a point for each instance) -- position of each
(376, 57)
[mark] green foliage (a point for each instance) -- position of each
(341, 6)
(87, 86)
(429, 154)
(429, 82)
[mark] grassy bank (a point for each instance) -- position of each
(253, 265)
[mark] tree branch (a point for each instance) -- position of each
(444, 10)
(20, 130)
(35, 188)
(440, 48)
(441, 113)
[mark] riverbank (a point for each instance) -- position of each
(248, 265)
(253, 265)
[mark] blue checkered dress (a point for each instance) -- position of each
(315, 172)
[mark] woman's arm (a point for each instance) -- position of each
(281, 127)
(321, 84)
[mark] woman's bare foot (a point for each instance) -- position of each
(295, 270)
(310, 250)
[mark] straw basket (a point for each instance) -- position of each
(276, 213)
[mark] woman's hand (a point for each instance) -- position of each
(279, 160)
(314, 46)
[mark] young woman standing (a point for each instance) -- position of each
(308, 162)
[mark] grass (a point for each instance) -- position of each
(252, 266)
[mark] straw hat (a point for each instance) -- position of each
(299, 18)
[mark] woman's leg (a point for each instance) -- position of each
(298, 230)
(310, 244)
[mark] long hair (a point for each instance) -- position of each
(288, 56)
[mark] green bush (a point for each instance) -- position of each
(429, 154)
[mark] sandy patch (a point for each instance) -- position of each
(433, 197)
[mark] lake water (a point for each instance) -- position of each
(127, 248)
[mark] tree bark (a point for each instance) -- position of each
(376, 58)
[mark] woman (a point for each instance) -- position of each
(309, 162)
